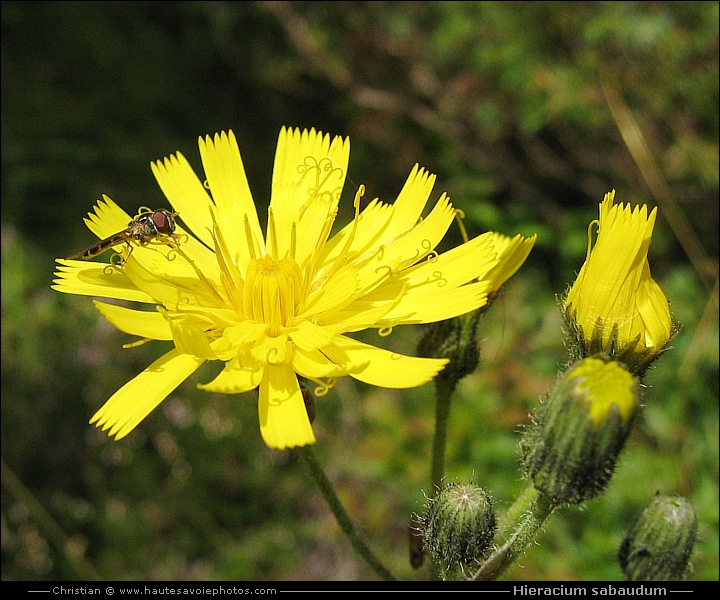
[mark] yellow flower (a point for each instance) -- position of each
(277, 306)
(615, 306)
(604, 385)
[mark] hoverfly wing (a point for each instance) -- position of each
(146, 227)
(101, 246)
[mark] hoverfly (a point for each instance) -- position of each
(148, 226)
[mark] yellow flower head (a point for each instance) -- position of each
(615, 306)
(604, 385)
(277, 306)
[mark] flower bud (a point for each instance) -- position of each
(571, 447)
(454, 339)
(659, 544)
(458, 527)
(615, 306)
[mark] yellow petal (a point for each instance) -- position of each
(186, 193)
(367, 232)
(169, 290)
(297, 149)
(142, 323)
(379, 223)
(107, 219)
(234, 379)
(364, 312)
(230, 190)
(308, 336)
(190, 337)
(313, 228)
(138, 397)
(315, 365)
(309, 167)
(439, 288)
(96, 279)
(382, 367)
(654, 310)
(462, 264)
(433, 303)
(409, 205)
(512, 253)
(245, 333)
(333, 293)
(271, 350)
(411, 246)
(284, 421)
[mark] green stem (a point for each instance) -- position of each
(47, 524)
(539, 509)
(444, 390)
(521, 506)
(308, 459)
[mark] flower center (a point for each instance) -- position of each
(272, 291)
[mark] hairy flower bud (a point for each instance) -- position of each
(570, 450)
(615, 306)
(659, 544)
(458, 527)
(455, 339)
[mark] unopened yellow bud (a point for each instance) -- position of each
(570, 449)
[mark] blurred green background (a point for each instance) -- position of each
(528, 113)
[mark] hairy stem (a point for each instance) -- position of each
(539, 509)
(442, 414)
(308, 459)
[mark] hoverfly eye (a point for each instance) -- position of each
(164, 223)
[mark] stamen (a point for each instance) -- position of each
(459, 216)
(342, 256)
(228, 268)
(324, 386)
(272, 233)
(250, 239)
(325, 233)
(272, 291)
(293, 240)
(595, 222)
(201, 276)
(137, 343)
